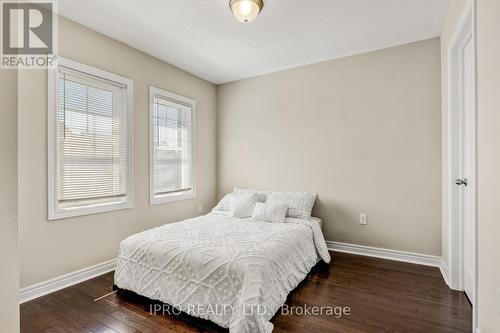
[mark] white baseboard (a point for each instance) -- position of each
(410, 257)
(43, 288)
(443, 267)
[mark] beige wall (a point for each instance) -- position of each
(49, 249)
(454, 14)
(488, 57)
(363, 132)
(9, 276)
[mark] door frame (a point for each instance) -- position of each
(464, 32)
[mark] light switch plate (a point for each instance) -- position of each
(363, 219)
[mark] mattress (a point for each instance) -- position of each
(234, 272)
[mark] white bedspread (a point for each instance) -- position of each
(216, 262)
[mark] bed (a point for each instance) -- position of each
(235, 272)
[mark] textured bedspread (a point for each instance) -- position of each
(234, 272)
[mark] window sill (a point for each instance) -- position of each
(56, 214)
(157, 200)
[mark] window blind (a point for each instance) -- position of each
(92, 140)
(172, 147)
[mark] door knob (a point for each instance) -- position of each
(461, 181)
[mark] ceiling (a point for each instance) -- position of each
(203, 38)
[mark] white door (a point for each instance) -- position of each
(467, 169)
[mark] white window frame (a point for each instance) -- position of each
(54, 212)
(159, 199)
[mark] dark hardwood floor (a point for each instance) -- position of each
(383, 296)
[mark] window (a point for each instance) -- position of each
(172, 152)
(90, 138)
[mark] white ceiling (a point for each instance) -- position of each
(203, 38)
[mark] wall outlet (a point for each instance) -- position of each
(363, 219)
(200, 208)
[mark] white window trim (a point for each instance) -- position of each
(52, 86)
(153, 199)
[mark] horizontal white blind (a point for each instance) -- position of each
(92, 140)
(172, 147)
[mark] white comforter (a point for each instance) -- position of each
(223, 269)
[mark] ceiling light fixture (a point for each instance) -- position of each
(246, 10)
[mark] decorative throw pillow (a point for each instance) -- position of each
(270, 212)
(299, 204)
(224, 204)
(261, 195)
(243, 205)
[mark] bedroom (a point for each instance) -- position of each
(327, 166)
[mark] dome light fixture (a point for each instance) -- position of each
(246, 11)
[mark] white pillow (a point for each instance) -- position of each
(299, 204)
(243, 205)
(270, 212)
(261, 195)
(224, 204)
